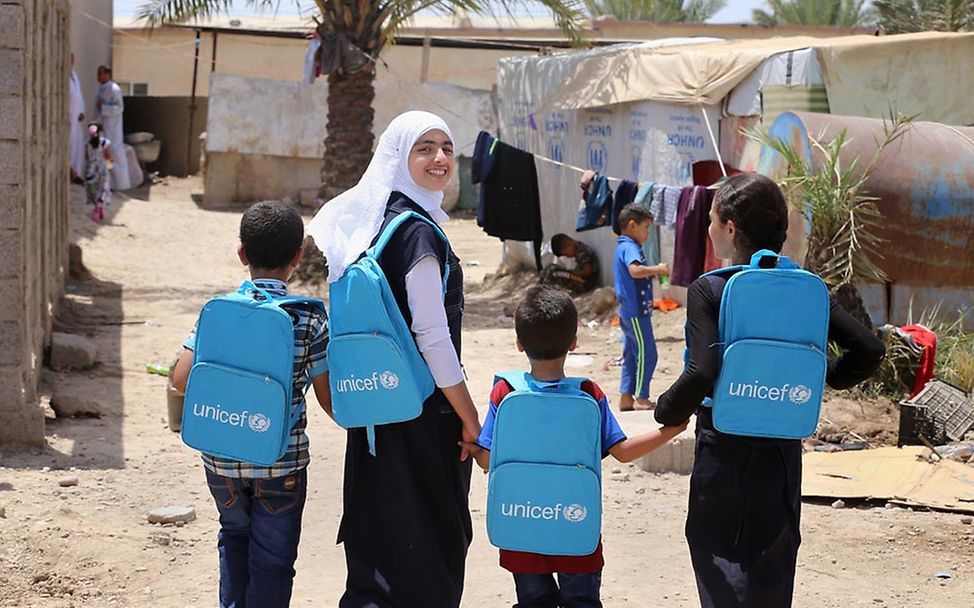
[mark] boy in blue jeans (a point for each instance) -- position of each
(260, 507)
(634, 290)
(546, 324)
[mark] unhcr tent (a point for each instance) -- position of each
(648, 111)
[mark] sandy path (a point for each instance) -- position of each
(91, 546)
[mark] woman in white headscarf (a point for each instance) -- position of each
(406, 523)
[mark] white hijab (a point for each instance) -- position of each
(345, 227)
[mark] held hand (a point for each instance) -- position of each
(469, 434)
(663, 269)
(673, 431)
(480, 455)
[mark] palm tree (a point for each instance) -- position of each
(905, 16)
(844, 244)
(814, 12)
(355, 32)
(659, 11)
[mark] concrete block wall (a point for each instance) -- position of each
(34, 74)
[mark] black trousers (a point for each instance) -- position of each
(406, 523)
(743, 522)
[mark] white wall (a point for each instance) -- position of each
(91, 43)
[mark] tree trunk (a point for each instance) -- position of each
(348, 144)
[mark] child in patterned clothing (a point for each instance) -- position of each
(98, 160)
(260, 507)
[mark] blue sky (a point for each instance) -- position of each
(736, 11)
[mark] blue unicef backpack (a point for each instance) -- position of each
(544, 493)
(377, 373)
(238, 396)
(774, 325)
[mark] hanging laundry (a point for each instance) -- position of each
(664, 206)
(651, 248)
(510, 205)
(708, 173)
(596, 204)
(644, 196)
(692, 221)
(483, 162)
(625, 194)
(927, 340)
(312, 60)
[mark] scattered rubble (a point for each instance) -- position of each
(171, 515)
(72, 351)
(68, 482)
(68, 406)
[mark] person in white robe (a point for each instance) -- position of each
(76, 109)
(110, 107)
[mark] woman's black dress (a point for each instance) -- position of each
(406, 522)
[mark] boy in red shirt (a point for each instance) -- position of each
(546, 323)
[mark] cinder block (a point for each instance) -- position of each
(11, 26)
(11, 390)
(675, 456)
(12, 74)
(11, 341)
(23, 427)
(11, 301)
(11, 117)
(72, 351)
(11, 255)
(11, 162)
(11, 206)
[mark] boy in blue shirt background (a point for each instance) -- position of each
(260, 507)
(546, 325)
(634, 290)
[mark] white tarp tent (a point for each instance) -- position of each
(642, 140)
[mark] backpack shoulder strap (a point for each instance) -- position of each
(765, 256)
(313, 303)
(517, 380)
(386, 235)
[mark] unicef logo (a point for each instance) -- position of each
(389, 380)
(259, 423)
(800, 394)
(575, 513)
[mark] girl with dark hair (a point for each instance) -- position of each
(745, 492)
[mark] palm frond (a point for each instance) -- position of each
(164, 12)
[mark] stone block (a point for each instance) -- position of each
(675, 456)
(23, 426)
(11, 206)
(11, 389)
(11, 26)
(11, 342)
(12, 74)
(11, 300)
(67, 406)
(11, 117)
(71, 351)
(11, 161)
(11, 255)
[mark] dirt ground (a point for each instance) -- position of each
(160, 257)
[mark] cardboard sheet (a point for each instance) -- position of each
(893, 474)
